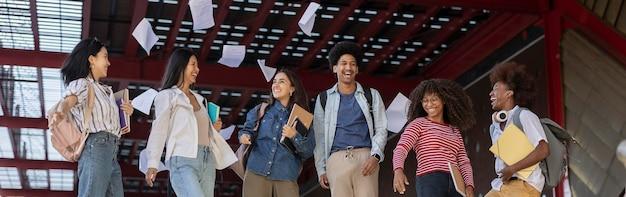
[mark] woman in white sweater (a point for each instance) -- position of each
(182, 124)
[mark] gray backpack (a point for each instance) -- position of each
(554, 166)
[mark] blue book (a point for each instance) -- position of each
(214, 111)
(122, 96)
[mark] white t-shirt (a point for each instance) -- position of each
(534, 132)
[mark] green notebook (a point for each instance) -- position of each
(214, 111)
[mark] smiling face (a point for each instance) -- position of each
(433, 105)
(499, 96)
(99, 63)
(282, 88)
(191, 71)
(346, 69)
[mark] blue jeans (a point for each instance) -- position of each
(99, 173)
(193, 176)
(435, 184)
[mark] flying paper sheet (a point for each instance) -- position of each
(227, 132)
(144, 34)
(307, 20)
(143, 102)
(397, 113)
(143, 162)
(202, 14)
(512, 147)
(268, 72)
(232, 55)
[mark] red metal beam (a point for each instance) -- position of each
(242, 102)
(34, 24)
(36, 192)
(21, 122)
(291, 31)
(211, 35)
(594, 28)
(478, 44)
(139, 11)
(259, 20)
(338, 22)
(181, 11)
(528, 6)
(37, 164)
(377, 23)
(553, 31)
(412, 28)
(441, 36)
(129, 69)
(86, 18)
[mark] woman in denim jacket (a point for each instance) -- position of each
(272, 169)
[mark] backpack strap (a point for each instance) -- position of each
(515, 117)
(87, 110)
(323, 96)
(260, 114)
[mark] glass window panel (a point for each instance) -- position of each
(9, 178)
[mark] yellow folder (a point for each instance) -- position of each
(513, 146)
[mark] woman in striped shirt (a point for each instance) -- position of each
(439, 109)
(99, 172)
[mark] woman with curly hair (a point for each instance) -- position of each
(439, 110)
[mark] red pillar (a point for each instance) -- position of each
(553, 32)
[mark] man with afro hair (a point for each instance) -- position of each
(511, 95)
(350, 134)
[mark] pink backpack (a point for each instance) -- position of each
(66, 136)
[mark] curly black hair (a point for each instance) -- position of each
(457, 111)
(516, 78)
(342, 48)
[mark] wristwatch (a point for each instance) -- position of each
(377, 156)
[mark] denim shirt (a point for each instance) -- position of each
(268, 157)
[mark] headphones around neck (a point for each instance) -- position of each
(500, 116)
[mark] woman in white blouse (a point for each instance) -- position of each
(99, 172)
(182, 125)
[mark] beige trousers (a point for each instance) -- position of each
(343, 170)
(259, 186)
(515, 188)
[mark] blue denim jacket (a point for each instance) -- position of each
(268, 157)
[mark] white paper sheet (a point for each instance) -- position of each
(143, 162)
(144, 34)
(143, 102)
(397, 113)
(232, 55)
(227, 132)
(268, 72)
(307, 20)
(202, 14)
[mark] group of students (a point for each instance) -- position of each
(348, 137)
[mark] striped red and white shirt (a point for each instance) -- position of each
(435, 145)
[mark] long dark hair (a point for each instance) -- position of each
(76, 65)
(299, 95)
(457, 110)
(176, 65)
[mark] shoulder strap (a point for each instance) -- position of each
(260, 115)
(90, 102)
(515, 117)
(368, 97)
(322, 96)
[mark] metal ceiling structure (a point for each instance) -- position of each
(403, 41)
